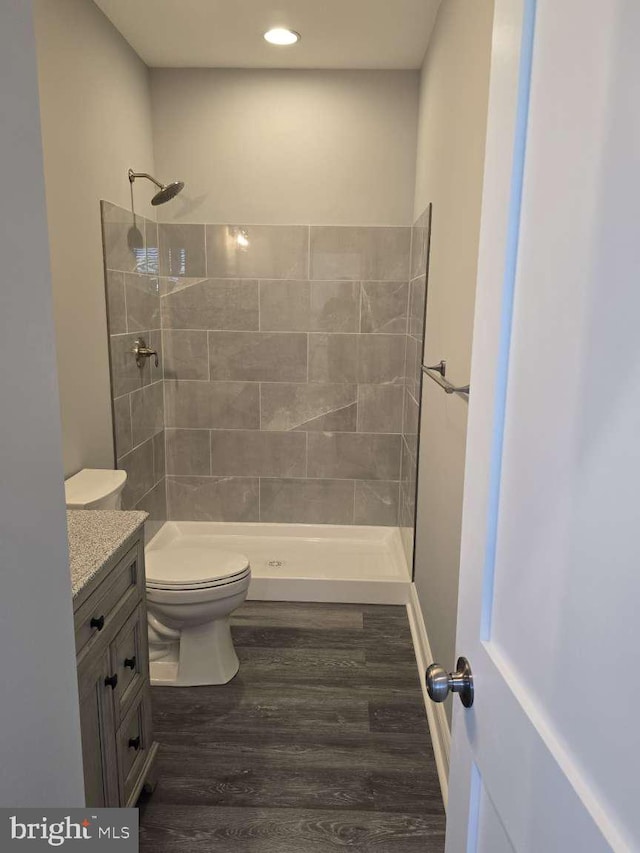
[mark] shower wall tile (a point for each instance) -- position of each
(285, 306)
(274, 251)
(213, 498)
(182, 250)
(384, 307)
(188, 451)
(380, 408)
(140, 473)
(356, 456)
(417, 307)
(116, 305)
(258, 356)
(376, 502)
(186, 354)
(123, 239)
(359, 253)
(213, 304)
(212, 405)
(299, 501)
(143, 302)
(122, 424)
(152, 247)
(154, 340)
(333, 358)
(380, 359)
(312, 408)
(155, 503)
(258, 454)
(159, 456)
(335, 306)
(420, 235)
(147, 412)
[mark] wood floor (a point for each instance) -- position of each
(319, 744)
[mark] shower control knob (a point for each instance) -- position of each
(440, 682)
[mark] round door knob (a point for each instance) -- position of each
(440, 683)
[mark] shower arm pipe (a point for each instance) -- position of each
(133, 175)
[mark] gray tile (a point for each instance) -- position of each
(212, 304)
(417, 303)
(252, 453)
(123, 239)
(154, 339)
(188, 451)
(186, 354)
(212, 498)
(333, 358)
(274, 251)
(335, 306)
(147, 412)
(155, 503)
(384, 307)
(355, 456)
(411, 415)
(143, 302)
(159, 456)
(126, 376)
(122, 425)
(377, 502)
(412, 366)
(258, 356)
(306, 501)
(408, 466)
(212, 405)
(297, 406)
(380, 359)
(116, 305)
(182, 250)
(420, 243)
(360, 253)
(380, 408)
(285, 306)
(140, 473)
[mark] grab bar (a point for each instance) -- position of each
(441, 368)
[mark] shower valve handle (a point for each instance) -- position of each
(142, 351)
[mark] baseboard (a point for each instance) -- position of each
(332, 591)
(436, 717)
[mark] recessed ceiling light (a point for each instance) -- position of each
(282, 36)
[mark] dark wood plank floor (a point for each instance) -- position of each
(319, 744)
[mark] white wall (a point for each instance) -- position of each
(39, 722)
(449, 171)
(96, 123)
(287, 147)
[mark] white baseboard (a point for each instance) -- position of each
(436, 716)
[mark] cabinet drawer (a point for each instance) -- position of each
(105, 608)
(130, 660)
(134, 743)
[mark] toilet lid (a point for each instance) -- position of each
(189, 568)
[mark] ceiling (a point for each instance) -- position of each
(228, 33)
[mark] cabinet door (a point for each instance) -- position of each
(97, 722)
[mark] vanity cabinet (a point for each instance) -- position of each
(113, 676)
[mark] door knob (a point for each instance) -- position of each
(440, 682)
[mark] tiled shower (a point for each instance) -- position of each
(288, 380)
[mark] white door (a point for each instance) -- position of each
(549, 610)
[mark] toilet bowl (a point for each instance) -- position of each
(191, 594)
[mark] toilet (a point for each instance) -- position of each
(191, 594)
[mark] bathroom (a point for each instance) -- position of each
(254, 249)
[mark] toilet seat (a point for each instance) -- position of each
(185, 569)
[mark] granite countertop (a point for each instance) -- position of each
(94, 536)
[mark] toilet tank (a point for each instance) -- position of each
(95, 488)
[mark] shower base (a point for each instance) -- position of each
(306, 562)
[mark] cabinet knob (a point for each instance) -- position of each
(130, 663)
(97, 622)
(111, 681)
(134, 743)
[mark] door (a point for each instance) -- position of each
(545, 759)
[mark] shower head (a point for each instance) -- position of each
(165, 192)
